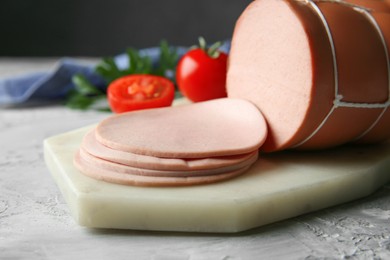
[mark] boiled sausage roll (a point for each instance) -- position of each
(317, 70)
(374, 6)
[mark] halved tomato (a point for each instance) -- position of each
(140, 91)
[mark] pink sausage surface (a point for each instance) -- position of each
(220, 127)
(92, 146)
(93, 171)
(120, 168)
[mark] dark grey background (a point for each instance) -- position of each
(98, 27)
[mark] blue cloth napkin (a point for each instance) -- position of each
(53, 85)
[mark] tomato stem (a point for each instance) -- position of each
(213, 51)
(202, 43)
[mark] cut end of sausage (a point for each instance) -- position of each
(271, 65)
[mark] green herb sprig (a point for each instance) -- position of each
(85, 94)
(167, 61)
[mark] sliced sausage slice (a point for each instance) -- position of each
(92, 146)
(98, 173)
(120, 168)
(214, 128)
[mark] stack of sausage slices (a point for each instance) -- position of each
(192, 144)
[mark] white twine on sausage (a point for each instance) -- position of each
(382, 37)
(337, 102)
(342, 2)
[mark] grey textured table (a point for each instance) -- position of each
(35, 222)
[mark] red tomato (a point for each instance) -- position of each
(134, 92)
(201, 77)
